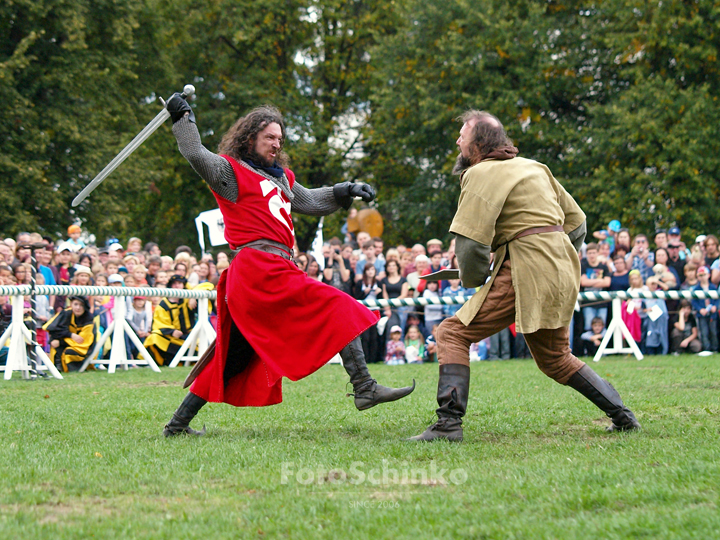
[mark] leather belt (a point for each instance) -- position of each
(269, 246)
(538, 230)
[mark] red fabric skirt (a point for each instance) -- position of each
(295, 324)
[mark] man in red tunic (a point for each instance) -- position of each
(273, 321)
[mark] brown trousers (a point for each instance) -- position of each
(549, 348)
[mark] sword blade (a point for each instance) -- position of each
(123, 155)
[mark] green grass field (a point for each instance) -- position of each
(85, 458)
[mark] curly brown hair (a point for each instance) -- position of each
(239, 141)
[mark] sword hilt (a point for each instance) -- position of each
(188, 90)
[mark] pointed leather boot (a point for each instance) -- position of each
(452, 396)
(180, 421)
(366, 390)
(605, 397)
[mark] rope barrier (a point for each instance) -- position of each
(71, 290)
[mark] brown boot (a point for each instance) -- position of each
(605, 397)
(180, 421)
(452, 396)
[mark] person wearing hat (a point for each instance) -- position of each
(64, 271)
(173, 320)
(74, 242)
(674, 237)
(610, 234)
(72, 332)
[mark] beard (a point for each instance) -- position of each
(461, 163)
(258, 159)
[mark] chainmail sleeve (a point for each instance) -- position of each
(314, 202)
(214, 169)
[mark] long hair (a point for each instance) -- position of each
(488, 133)
(239, 141)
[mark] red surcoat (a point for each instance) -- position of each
(295, 324)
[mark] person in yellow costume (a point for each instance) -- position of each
(73, 333)
(173, 321)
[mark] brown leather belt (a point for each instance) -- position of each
(538, 230)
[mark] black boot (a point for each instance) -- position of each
(367, 391)
(180, 421)
(602, 394)
(452, 396)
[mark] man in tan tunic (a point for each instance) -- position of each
(513, 207)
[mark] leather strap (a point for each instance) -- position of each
(269, 246)
(538, 230)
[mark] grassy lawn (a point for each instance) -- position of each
(85, 458)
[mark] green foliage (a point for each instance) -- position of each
(85, 458)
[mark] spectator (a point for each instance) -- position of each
(624, 240)
(139, 273)
(22, 273)
(154, 266)
(72, 334)
(378, 245)
(661, 239)
(594, 277)
(690, 277)
(631, 309)
(604, 256)
(655, 315)
(369, 289)
(499, 348)
(134, 245)
(431, 345)
(302, 261)
(313, 268)
(706, 310)
(395, 351)
(172, 322)
(140, 319)
(368, 249)
(395, 286)
(610, 234)
(684, 335)
(153, 249)
(675, 261)
(180, 269)
(674, 237)
(6, 254)
(453, 291)
(640, 258)
(74, 242)
(711, 250)
(337, 271)
(413, 278)
(414, 346)
(433, 312)
(407, 264)
(592, 338)
(620, 279)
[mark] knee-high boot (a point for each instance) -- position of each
(452, 398)
(605, 397)
(367, 391)
(180, 421)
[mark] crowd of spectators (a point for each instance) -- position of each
(365, 268)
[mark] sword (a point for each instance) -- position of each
(130, 148)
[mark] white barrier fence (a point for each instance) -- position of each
(203, 333)
(200, 337)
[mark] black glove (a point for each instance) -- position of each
(177, 107)
(346, 191)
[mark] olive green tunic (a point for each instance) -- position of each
(498, 200)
